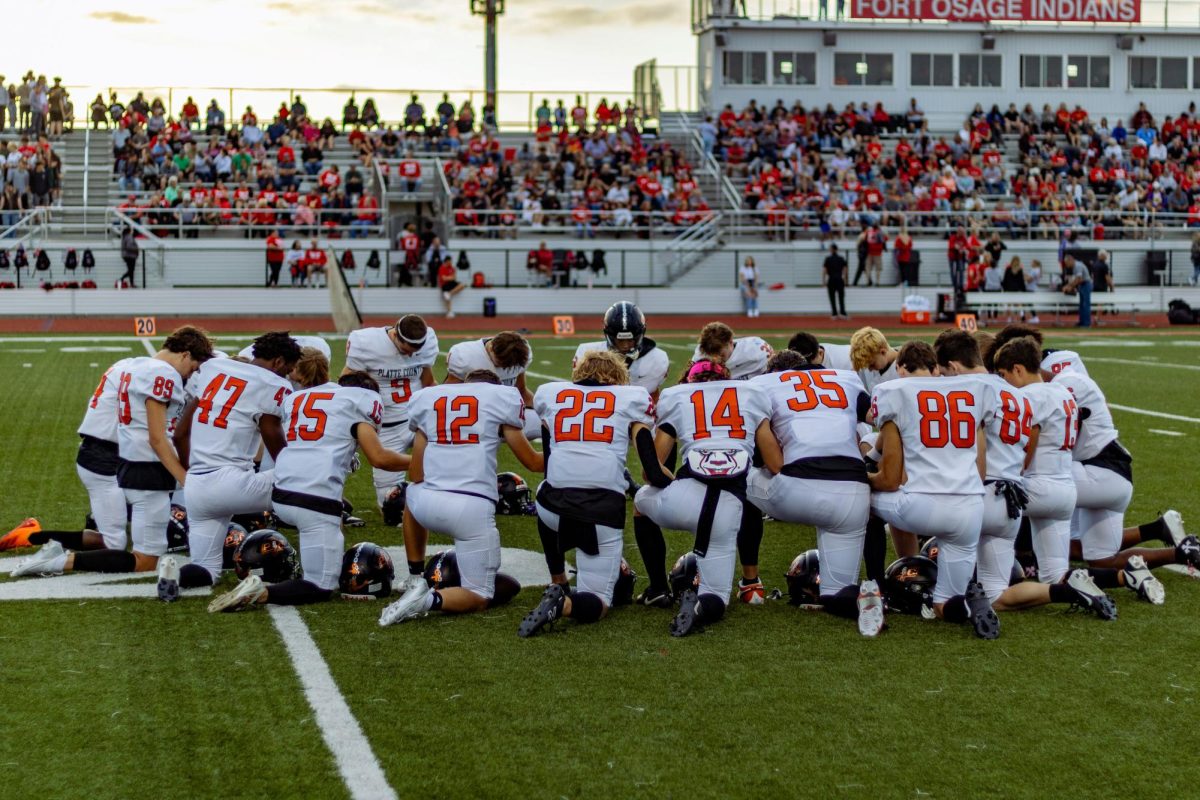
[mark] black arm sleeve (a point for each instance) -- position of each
(649, 458)
(546, 441)
(1084, 413)
(863, 406)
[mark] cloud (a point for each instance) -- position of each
(122, 18)
(557, 16)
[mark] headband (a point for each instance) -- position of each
(403, 338)
(703, 366)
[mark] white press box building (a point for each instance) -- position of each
(951, 55)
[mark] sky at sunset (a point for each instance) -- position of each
(544, 44)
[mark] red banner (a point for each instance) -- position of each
(1123, 11)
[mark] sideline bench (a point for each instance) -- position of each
(991, 305)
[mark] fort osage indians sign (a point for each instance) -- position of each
(1127, 11)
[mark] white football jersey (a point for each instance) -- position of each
(714, 422)
(100, 418)
(1098, 430)
(1061, 360)
(1056, 413)
(814, 412)
(143, 379)
(871, 379)
(319, 424)
(1008, 422)
(589, 431)
(748, 359)
(938, 420)
(462, 423)
(648, 371)
(466, 357)
(399, 376)
(837, 356)
(233, 396)
(316, 342)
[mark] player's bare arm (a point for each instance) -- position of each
(526, 395)
(416, 464)
(768, 447)
(183, 432)
(1031, 449)
(378, 455)
(891, 468)
(531, 459)
(271, 428)
(427, 378)
(156, 421)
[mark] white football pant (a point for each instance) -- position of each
(838, 509)
(214, 498)
(321, 543)
(1051, 502)
(953, 519)
(1101, 499)
(997, 540)
(471, 522)
(678, 507)
(151, 511)
(107, 501)
(595, 574)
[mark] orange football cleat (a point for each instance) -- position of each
(19, 536)
(751, 593)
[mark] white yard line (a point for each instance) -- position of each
(1138, 363)
(1160, 414)
(359, 768)
(1162, 432)
(149, 347)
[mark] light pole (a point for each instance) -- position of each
(490, 10)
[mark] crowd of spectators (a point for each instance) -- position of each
(828, 172)
(199, 170)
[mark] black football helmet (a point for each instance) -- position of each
(804, 578)
(930, 549)
(367, 569)
(441, 570)
(393, 504)
(515, 497)
(233, 540)
(908, 584)
(623, 590)
(684, 575)
(265, 520)
(625, 322)
(269, 555)
(177, 530)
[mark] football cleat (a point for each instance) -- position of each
(1089, 596)
(1188, 552)
(43, 562)
(247, 593)
(656, 598)
(631, 486)
(412, 582)
(688, 619)
(983, 618)
(1139, 579)
(19, 536)
(1173, 522)
(870, 609)
(410, 606)
(351, 521)
(548, 611)
(753, 593)
(168, 579)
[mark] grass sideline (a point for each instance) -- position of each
(128, 698)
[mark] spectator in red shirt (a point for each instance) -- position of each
(409, 174)
(329, 179)
(956, 253)
(447, 278)
(315, 260)
(367, 215)
(189, 115)
(275, 256)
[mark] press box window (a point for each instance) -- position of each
(862, 69)
(794, 69)
(979, 69)
(744, 68)
(932, 69)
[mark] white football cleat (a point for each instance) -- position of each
(45, 562)
(246, 593)
(870, 609)
(1139, 579)
(1173, 522)
(1089, 596)
(410, 606)
(411, 582)
(168, 579)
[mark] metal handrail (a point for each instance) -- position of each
(729, 193)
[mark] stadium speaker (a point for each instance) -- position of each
(1124, 42)
(989, 42)
(830, 39)
(721, 40)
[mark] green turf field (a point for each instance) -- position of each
(128, 698)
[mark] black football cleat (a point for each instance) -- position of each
(688, 619)
(1188, 552)
(631, 486)
(656, 598)
(983, 617)
(351, 521)
(548, 611)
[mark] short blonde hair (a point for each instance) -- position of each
(602, 366)
(865, 344)
(312, 369)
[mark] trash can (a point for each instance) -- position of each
(489, 306)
